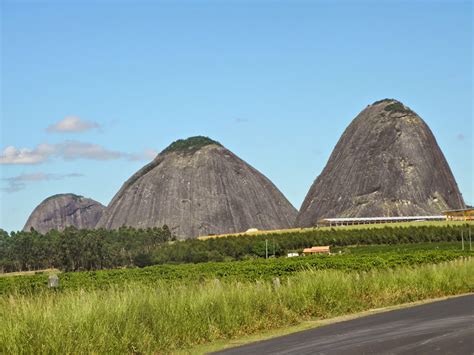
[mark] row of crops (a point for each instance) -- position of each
(352, 259)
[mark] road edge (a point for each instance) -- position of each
(305, 325)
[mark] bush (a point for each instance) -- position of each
(397, 107)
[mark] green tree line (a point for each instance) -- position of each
(75, 250)
(243, 246)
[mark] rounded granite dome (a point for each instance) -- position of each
(198, 187)
(64, 210)
(386, 163)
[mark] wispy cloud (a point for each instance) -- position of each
(72, 150)
(19, 182)
(68, 150)
(72, 124)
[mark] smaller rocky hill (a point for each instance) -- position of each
(63, 210)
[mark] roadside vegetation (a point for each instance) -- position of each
(163, 317)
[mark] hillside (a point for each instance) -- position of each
(64, 210)
(386, 163)
(198, 187)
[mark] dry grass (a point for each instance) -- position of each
(33, 272)
(362, 226)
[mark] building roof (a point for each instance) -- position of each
(316, 249)
(371, 219)
(460, 210)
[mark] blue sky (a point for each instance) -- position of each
(91, 89)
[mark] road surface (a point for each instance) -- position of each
(444, 327)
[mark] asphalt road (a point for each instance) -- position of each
(444, 327)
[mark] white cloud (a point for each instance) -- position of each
(68, 150)
(17, 183)
(72, 124)
(12, 155)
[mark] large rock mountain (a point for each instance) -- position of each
(63, 210)
(198, 187)
(387, 163)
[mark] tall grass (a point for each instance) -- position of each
(165, 317)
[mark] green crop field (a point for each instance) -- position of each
(361, 258)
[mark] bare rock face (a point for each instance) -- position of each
(387, 163)
(198, 187)
(61, 211)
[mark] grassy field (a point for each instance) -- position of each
(163, 317)
(361, 258)
(362, 226)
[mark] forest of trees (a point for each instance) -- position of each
(75, 250)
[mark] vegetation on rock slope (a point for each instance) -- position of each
(188, 145)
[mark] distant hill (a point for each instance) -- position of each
(63, 210)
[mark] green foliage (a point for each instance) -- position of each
(164, 317)
(398, 248)
(397, 107)
(74, 250)
(264, 248)
(247, 270)
(243, 246)
(189, 145)
(383, 100)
